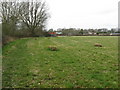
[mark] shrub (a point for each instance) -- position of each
(7, 39)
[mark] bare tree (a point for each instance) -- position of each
(34, 15)
(9, 12)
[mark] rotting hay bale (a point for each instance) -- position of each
(98, 45)
(53, 48)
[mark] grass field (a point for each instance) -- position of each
(28, 62)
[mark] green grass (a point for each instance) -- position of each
(28, 62)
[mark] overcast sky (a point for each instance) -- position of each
(83, 14)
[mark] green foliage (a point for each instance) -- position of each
(78, 63)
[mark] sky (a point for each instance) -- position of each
(82, 14)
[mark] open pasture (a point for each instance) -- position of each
(76, 63)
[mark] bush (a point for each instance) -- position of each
(7, 39)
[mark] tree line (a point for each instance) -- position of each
(81, 32)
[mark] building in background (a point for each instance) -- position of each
(59, 33)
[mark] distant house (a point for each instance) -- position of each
(116, 34)
(59, 33)
(52, 34)
(92, 33)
